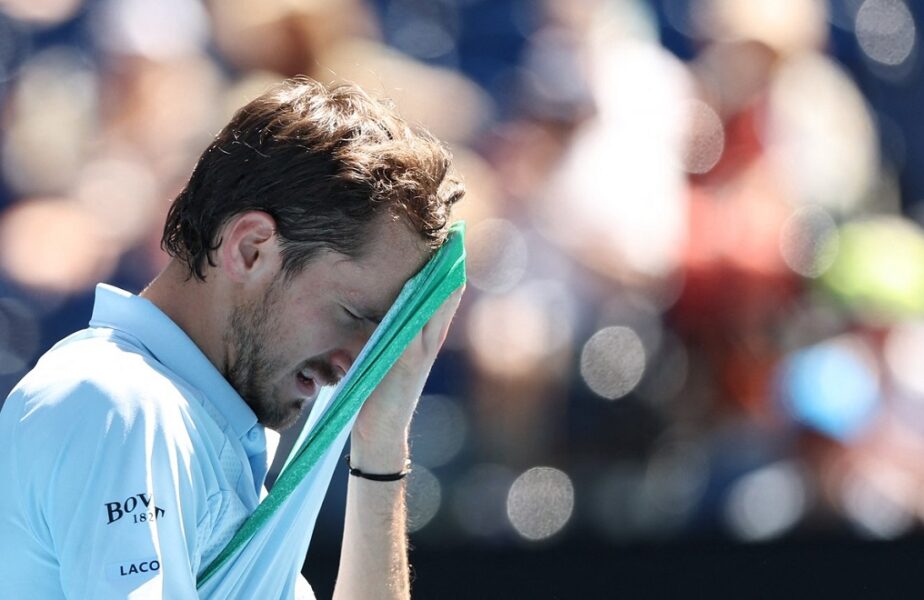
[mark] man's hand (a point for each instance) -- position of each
(379, 437)
(373, 559)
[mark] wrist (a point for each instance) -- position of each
(379, 457)
(380, 477)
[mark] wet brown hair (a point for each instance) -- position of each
(324, 162)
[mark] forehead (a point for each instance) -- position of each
(393, 254)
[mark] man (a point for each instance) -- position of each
(135, 448)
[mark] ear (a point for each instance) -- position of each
(249, 249)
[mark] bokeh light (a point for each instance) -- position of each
(617, 201)
(809, 241)
(424, 497)
(886, 31)
(53, 120)
(705, 138)
(157, 30)
(438, 431)
(821, 135)
(788, 27)
(766, 503)
(42, 12)
(120, 194)
(832, 386)
(613, 362)
(540, 502)
(873, 511)
(879, 270)
(512, 334)
(53, 244)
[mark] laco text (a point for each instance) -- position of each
(146, 566)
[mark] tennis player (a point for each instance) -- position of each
(136, 447)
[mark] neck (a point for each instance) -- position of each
(195, 306)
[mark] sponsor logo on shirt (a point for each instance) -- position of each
(134, 570)
(140, 508)
(145, 566)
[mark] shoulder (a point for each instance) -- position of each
(100, 381)
(100, 408)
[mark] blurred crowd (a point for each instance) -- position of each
(696, 270)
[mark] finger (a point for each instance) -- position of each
(445, 312)
(438, 327)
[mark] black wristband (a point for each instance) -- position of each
(387, 477)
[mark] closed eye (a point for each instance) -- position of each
(352, 315)
(374, 320)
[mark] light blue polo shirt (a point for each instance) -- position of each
(127, 462)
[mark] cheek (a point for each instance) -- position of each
(312, 333)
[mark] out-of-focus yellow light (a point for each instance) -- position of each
(53, 120)
(879, 271)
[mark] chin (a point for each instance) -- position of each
(280, 421)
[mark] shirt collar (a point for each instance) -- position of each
(140, 318)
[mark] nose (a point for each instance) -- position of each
(341, 361)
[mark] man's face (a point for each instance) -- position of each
(306, 332)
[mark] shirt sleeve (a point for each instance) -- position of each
(118, 496)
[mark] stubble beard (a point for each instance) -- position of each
(252, 327)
